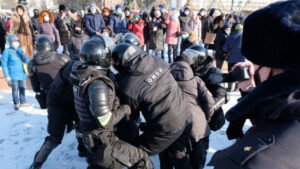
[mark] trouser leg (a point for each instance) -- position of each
(165, 160)
(178, 151)
(22, 88)
(199, 153)
(15, 92)
(169, 53)
(174, 52)
(48, 146)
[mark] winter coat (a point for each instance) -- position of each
(157, 37)
(219, 42)
(65, 27)
(94, 23)
(196, 27)
(8, 24)
(234, 42)
(2, 34)
(184, 20)
(12, 62)
(48, 28)
(35, 23)
(138, 29)
(43, 69)
(147, 30)
(150, 88)
(75, 44)
(173, 27)
(201, 103)
(118, 23)
(25, 40)
(207, 26)
(203, 27)
(190, 41)
(273, 108)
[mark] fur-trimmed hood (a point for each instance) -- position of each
(41, 18)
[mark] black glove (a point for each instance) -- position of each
(235, 130)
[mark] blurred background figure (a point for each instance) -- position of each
(20, 27)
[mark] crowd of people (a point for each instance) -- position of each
(112, 69)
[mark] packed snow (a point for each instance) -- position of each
(22, 133)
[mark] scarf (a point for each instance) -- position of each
(22, 28)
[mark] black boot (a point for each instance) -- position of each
(42, 155)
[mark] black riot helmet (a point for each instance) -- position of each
(202, 55)
(44, 43)
(94, 52)
(122, 54)
(131, 39)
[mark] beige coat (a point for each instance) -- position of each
(25, 40)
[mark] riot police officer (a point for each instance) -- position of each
(204, 68)
(94, 97)
(44, 67)
(132, 39)
(60, 102)
(146, 84)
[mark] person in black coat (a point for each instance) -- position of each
(76, 41)
(99, 111)
(204, 68)
(147, 28)
(146, 84)
(44, 67)
(222, 35)
(273, 106)
(2, 35)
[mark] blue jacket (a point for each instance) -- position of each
(117, 23)
(94, 23)
(12, 62)
(235, 55)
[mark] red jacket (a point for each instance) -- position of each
(172, 29)
(138, 30)
(8, 25)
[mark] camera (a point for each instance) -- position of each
(239, 74)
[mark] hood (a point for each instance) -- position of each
(9, 39)
(181, 71)
(41, 18)
(44, 57)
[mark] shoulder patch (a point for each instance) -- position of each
(154, 76)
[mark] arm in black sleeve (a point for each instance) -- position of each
(33, 77)
(101, 104)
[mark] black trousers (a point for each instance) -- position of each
(197, 152)
(172, 145)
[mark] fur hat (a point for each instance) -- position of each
(271, 36)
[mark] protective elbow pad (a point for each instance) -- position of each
(100, 99)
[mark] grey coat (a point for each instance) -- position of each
(75, 44)
(201, 103)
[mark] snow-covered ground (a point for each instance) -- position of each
(22, 133)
